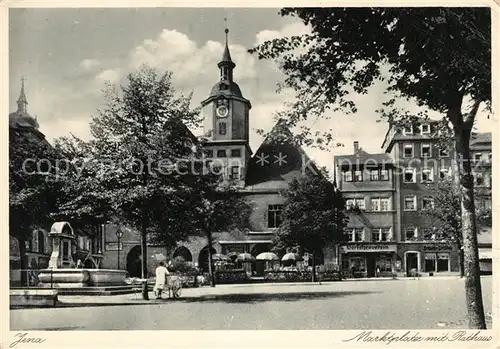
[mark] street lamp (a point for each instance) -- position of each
(119, 234)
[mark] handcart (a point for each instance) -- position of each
(174, 286)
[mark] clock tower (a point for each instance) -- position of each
(226, 122)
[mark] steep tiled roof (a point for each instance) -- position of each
(276, 162)
(361, 157)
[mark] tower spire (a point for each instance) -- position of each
(22, 102)
(226, 65)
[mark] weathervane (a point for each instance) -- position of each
(226, 30)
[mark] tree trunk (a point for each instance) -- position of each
(144, 260)
(313, 266)
(460, 258)
(473, 293)
(210, 264)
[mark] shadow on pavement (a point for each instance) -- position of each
(225, 298)
(268, 297)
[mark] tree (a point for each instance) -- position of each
(313, 215)
(32, 191)
(438, 57)
(212, 204)
(445, 215)
(129, 168)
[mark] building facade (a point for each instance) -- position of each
(367, 182)
(386, 193)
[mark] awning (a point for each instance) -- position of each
(485, 253)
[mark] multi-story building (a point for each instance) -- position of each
(420, 163)
(367, 182)
(386, 193)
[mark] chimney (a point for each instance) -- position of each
(356, 146)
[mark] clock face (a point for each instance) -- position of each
(222, 111)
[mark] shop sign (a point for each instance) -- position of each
(368, 248)
(113, 246)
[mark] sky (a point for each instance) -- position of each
(67, 55)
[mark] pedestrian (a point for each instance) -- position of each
(378, 271)
(161, 278)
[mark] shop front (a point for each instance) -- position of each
(429, 259)
(368, 260)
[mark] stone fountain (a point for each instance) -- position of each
(62, 272)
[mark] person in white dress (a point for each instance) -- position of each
(161, 278)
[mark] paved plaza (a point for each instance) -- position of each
(427, 303)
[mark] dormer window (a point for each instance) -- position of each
(408, 130)
(425, 129)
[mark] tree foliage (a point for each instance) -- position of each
(313, 215)
(32, 189)
(435, 56)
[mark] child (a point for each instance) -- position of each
(161, 276)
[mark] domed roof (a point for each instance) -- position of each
(228, 88)
(23, 120)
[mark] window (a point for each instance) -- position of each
(379, 204)
(428, 234)
(427, 203)
(384, 264)
(426, 150)
(477, 157)
(222, 128)
(274, 216)
(410, 203)
(355, 234)
(235, 153)
(221, 153)
(349, 203)
(408, 130)
(410, 233)
(385, 204)
(444, 173)
(234, 172)
(443, 260)
(358, 263)
(347, 176)
(425, 129)
(409, 175)
(209, 153)
(381, 234)
(358, 176)
(430, 262)
(444, 152)
(384, 175)
(374, 175)
(41, 242)
(427, 175)
(360, 203)
(408, 150)
(478, 179)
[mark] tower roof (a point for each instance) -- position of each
(20, 118)
(226, 56)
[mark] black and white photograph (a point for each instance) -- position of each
(238, 168)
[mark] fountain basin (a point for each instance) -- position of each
(77, 278)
